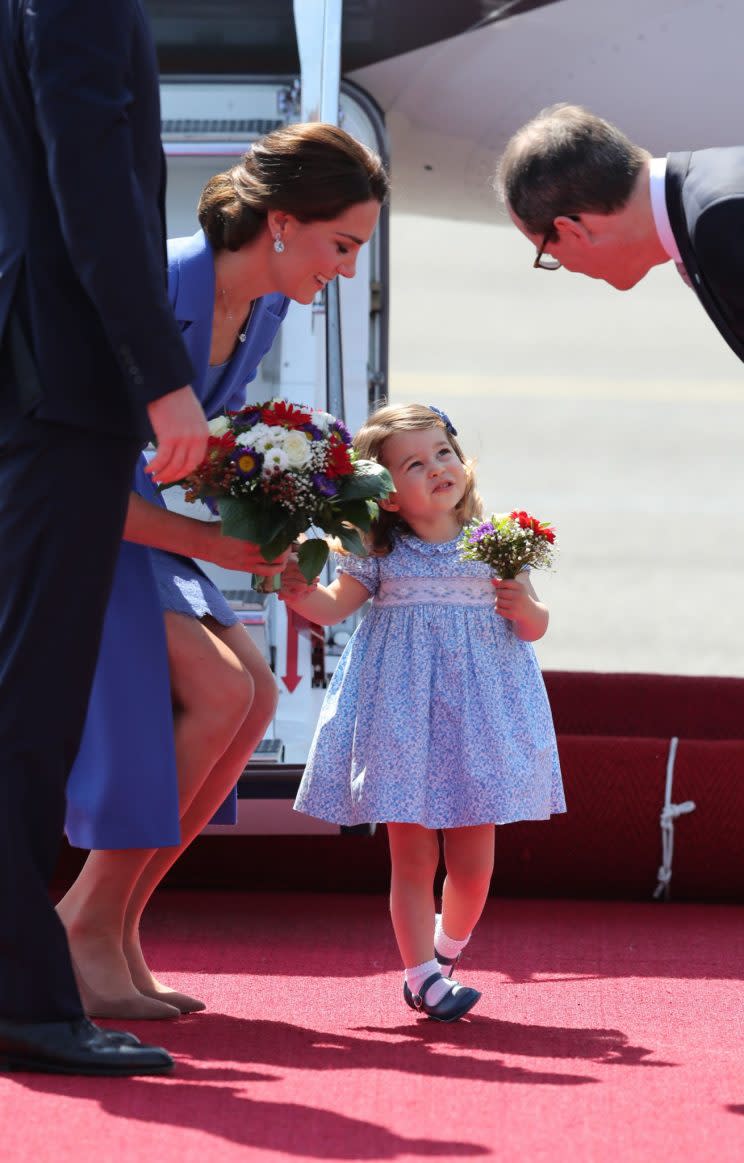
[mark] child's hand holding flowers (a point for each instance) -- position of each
(517, 601)
(513, 600)
(294, 584)
(509, 543)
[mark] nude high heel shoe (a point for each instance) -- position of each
(183, 1003)
(136, 1008)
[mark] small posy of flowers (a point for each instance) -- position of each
(508, 542)
(276, 469)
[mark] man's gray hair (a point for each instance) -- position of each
(567, 161)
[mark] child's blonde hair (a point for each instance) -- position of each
(369, 442)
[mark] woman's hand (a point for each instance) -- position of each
(233, 553)
(294, 583)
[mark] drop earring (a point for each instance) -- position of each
(278, 244)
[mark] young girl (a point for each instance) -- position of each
(436, 716)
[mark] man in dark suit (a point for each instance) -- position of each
(91, 365)
(592, 201)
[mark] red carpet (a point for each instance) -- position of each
(607, 1031)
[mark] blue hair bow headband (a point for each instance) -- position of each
(444, 418)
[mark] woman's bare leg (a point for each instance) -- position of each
(468, 857)
(208, 797)
(213, 693)
(414, 856)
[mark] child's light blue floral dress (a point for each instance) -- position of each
(436, 713)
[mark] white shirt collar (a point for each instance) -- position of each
(657, 182)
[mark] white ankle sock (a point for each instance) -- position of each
(447, 946)
(417, 975)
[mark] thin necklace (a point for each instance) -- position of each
(241, 334)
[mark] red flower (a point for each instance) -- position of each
(219, 444)
(524, 519)
(338, 463)
(280, 413)
(218, 451)
(538, 527)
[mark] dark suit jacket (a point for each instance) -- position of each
(82, 230)
(705, 201)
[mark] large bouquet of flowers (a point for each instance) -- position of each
(509, 541)
(276, 469)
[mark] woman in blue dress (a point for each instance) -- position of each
(182, 696)
(436, 716)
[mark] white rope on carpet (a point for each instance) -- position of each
(670, 812)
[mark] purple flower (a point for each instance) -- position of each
(343, 431)
(484, 530)
(324, 485)
(315, 433)
(211, 504)
(247, 462)
(246, 417)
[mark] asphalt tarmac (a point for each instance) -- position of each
(618, 416)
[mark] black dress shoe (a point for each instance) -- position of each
(115, 1037)
(455, 1004)
(76, 1047)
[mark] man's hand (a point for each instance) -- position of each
(181, 432)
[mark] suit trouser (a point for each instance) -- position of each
(63, 499)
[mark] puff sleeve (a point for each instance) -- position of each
(364, 569)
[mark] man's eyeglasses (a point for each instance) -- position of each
(544, 262)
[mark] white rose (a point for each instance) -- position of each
(297, 448)
(219, 426)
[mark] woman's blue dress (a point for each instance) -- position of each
(123, 790)
(182, 585)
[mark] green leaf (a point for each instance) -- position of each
(357, 512)
(351, 540)
(370, 479)
(332, 525)
(251, 522)
(238, 520)
(291, 529)
(312, 556)
(270, 550)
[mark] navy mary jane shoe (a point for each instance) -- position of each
(455, 1003)
(448, 963)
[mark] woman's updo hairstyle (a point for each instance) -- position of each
(312, 170)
